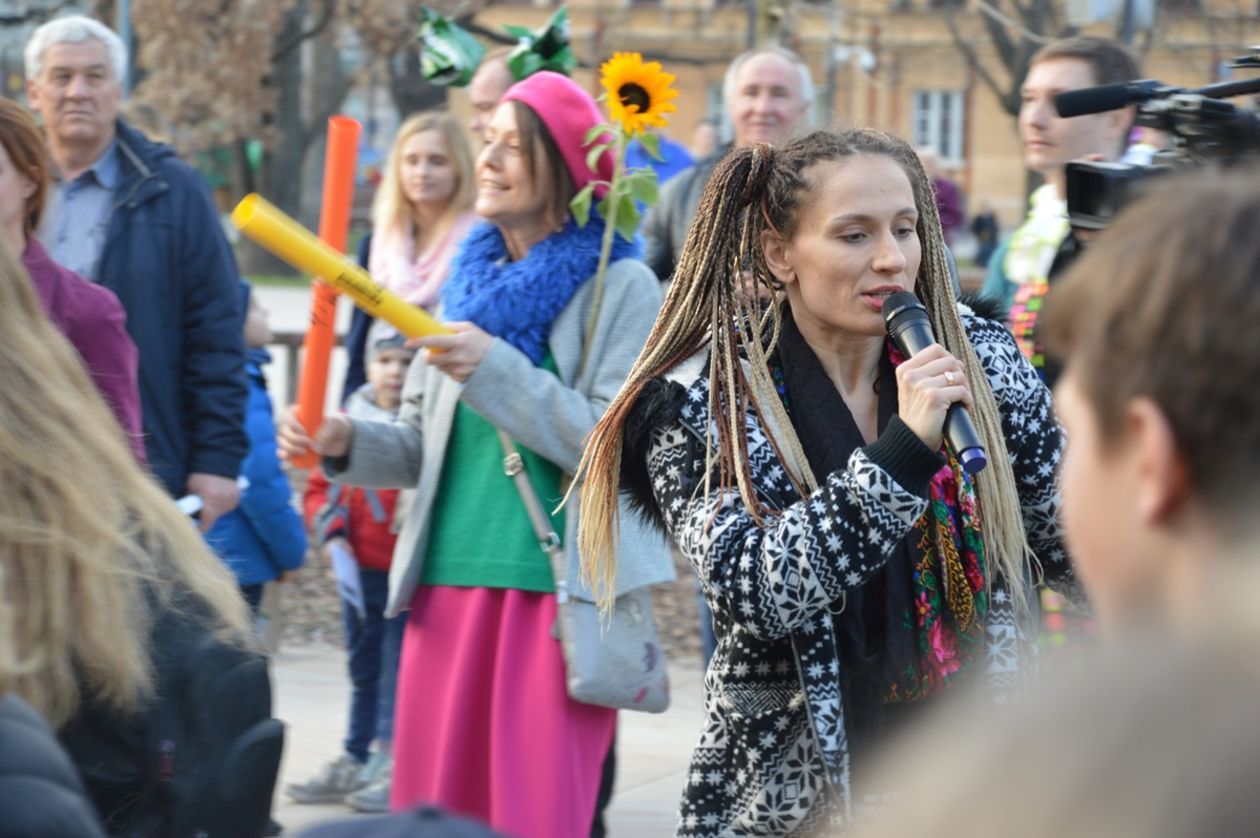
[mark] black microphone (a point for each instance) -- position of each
(909, 327)
(1109, 97)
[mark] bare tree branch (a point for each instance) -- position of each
(284, 47)
(973, 60)
(493, 35)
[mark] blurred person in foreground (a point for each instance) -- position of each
(1160, 734)
(856, 573)
(41, 795)
(115, 596)
(1156, 328)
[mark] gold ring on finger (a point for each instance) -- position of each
(949, 378)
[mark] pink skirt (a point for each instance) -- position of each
(483, 725)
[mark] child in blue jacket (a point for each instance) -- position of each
(264, 537)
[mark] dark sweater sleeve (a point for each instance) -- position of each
(213, 383)
(901, 453)
(775, 574)
(356, 338)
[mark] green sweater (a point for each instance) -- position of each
(480, 534)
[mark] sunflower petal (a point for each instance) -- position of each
(626, 77)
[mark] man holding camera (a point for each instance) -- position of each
(1020, 270)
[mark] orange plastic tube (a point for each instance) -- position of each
(334, 228)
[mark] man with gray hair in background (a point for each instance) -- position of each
(767, 93)
(126, 213)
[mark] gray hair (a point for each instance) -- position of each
(804, 80)
(75, 29)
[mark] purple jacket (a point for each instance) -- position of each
(949, 204)
(94, 322)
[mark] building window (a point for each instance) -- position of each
(937, 122)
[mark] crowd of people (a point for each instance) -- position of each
(724, 391)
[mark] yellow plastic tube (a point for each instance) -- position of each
(277, 232)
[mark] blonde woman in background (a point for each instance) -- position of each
(421, 214)
(109, 584)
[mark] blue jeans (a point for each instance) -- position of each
(373, 644)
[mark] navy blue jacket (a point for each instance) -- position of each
(356, 338)
(265, 534)
(167, 260)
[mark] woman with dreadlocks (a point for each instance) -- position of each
(855, 571)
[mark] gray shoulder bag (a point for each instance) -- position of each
(616, 662)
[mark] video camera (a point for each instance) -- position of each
(1203, 128)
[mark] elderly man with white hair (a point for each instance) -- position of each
(129, 215)
(767, 93)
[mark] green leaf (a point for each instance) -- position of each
(651, 144)
(628, 217)
(605, 204)
(524, 64)
(593, 155)
(643, 187)
(581, 204)
(518, 32)
(595, 133)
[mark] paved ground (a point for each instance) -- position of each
(653, 750)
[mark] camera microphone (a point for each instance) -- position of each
(1108, 97)
(911, 330)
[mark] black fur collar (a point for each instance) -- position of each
(658, 406)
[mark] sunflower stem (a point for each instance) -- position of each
(610, 229)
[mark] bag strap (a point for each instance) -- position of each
(514, 465)
(548, 539)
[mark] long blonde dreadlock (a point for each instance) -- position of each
(753, 190)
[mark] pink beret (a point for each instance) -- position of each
(569, 112)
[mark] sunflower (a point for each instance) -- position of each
(639, 94)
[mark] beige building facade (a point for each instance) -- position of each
(892, 65)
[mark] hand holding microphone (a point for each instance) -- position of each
(932, 390)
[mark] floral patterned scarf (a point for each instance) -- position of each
(950, 594)
(917, 627)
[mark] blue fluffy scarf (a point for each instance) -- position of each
(518, 301)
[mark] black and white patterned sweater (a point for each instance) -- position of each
(773, 758)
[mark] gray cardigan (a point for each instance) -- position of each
(549, 414)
